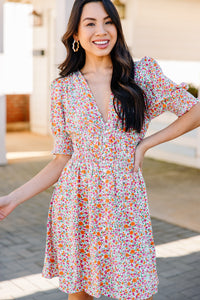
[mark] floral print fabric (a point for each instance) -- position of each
(99, 233)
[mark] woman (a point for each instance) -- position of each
(99, 234)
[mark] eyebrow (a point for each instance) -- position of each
(93, 19)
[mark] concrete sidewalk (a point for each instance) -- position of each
(22, 234)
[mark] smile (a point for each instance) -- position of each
(101, 42)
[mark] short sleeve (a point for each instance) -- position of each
(62, 140)
(162, 94)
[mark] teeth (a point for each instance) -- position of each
(101, 43)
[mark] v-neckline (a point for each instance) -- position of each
(94, 101)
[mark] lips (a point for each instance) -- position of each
(101, 42)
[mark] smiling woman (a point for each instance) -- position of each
(97, 37)
(100, 31)
(99, 233)
(96, 26)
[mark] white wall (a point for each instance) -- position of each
(63, 10)
(17, 48)
(42, 69)
(166, 29)
(1, 25)
(47, 37)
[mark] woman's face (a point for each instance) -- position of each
(96, 32)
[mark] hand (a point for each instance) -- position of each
(7, 205)
(139, 155)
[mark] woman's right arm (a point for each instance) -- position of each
(40, 182)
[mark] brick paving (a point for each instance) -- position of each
(22, 242)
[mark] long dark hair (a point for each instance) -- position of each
(129, 101)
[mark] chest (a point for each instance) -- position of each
(100, 91)
(89, 107)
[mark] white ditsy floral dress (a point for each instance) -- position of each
(99, 233)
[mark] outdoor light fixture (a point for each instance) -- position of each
(120, 8)
(37, 18)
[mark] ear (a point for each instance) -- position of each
(75, 36)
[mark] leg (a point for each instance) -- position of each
(80, 296)
(150, 298)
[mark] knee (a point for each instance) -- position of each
(80, 296)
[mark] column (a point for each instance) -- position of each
(3, 160)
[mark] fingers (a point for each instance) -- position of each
(2, 216)
(136, 168)
(138, 160)
(137, 163)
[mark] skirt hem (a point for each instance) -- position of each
(98, 295)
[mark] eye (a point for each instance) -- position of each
(90, 24)
(109, 22)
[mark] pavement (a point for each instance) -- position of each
(174, 206)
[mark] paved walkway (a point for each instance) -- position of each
(22, 234)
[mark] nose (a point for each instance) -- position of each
(100, 29)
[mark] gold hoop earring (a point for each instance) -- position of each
(75, 46)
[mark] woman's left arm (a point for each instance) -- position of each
(189, 121)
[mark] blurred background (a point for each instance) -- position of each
(31, 49)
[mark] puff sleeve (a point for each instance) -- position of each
(62, 140)
(162, 94)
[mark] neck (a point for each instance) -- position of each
(97, 64)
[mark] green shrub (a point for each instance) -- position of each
(193, 90)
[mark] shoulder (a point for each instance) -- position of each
(60, 81)
(146, 61)
(147, 67)
(61, 88)
(63, 82)
(149, 75)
